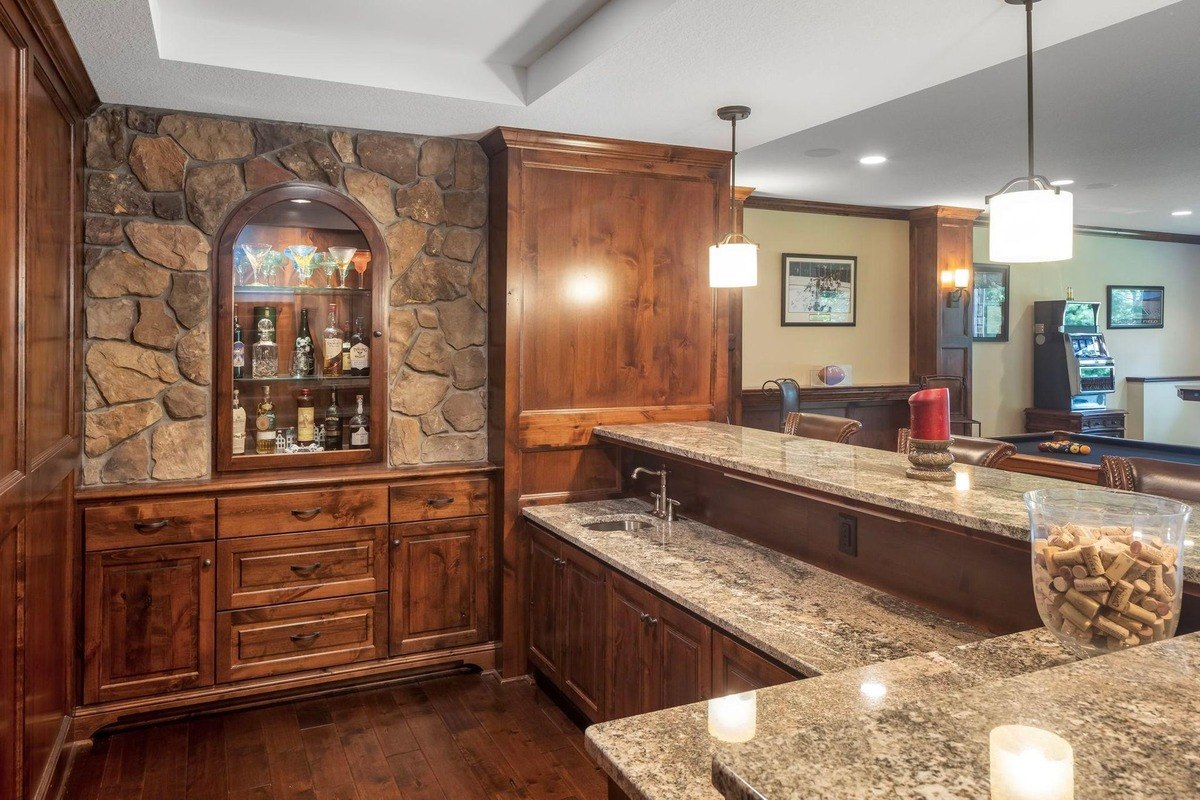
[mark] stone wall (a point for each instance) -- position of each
(158, 185)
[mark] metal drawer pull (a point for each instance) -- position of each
(649, 620)
(559, 561)
(305, 637)
(439, 502)
(150, 527)
(306, 514)
(305, 571)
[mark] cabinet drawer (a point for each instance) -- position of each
(285, 567)
(277, 640)
(439, 499)
(287, 512)
(135, 524)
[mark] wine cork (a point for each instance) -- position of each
(1069, 557)
(1075, 616)
(1118, 598)
(1120, 565)
(1091, 559)
(1140, 590)
(1140, 614)
(1158, 630)
(1060, 584)
(1079, 571)
(1169, 553)
(1112, 629)
(1086, 585)
(1154, 576)
(1082, 602)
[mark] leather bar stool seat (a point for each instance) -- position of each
(1151, 476)
(971, 450)
(821, 426)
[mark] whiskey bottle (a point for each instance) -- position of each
(345, 348)
(239, 425)
(265, 353)
(333, 344)
(360, 351)
(264, 425)
(239, 351)
(360, 427)
(333, 424)
(306, 420)
(302, 358)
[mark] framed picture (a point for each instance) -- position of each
(1135, 307)
(819, 290)
(989, 303)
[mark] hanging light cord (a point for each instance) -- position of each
(733, 177)
(1029, 79)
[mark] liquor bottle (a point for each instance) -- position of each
(360, 351)
(345, 348)
(333, 424)
(360, 427)
(239, 425)
(239, 351)
(265, 425)
(265, 353)
(302, 358)
(306, 419)
(333, 344)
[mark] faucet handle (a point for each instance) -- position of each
(670, 510)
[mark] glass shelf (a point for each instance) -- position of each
(313, 290)
(325, 381)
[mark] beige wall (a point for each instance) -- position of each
(877, 347)
(1003, 373)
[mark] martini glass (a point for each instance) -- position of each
(342, 257)
(270, 267)
(302, 256)
(255, 253)
(360, 266)
(325, 263)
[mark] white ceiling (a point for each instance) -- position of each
(1119, 106)
(638, 69)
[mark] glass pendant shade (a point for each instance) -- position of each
(732, 263)
(1031, 226)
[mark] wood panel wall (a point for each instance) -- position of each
(44, 96)
(600, 313)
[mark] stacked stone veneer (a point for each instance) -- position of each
(158, 185)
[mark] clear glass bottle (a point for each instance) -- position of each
(306, 419)
(332, 340)
(264, 425)
(360, 427)
(333, 424)
(265, 353)
(239, 351)
(360, 351)
(239, 425)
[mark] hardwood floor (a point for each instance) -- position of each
(456, 738)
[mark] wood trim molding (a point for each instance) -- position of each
(572, 427)
(1165, 379)
(60, 49)
(945, 213)
(503, 138)
(848, 394)
(819, 207)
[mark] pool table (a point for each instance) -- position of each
(1086, 469)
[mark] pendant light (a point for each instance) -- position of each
(1031, 220)
(733, 261)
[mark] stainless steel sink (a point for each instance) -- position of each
(618, 525)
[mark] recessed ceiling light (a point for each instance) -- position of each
(872, 160)
(1183, 213)
(301, 200)
(822, 152)
(1062, 182)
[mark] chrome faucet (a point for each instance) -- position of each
(664, 507)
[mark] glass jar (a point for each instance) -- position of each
(1107, 566)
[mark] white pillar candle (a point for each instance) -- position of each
(733, 718)
(1030, 764)
(962, 481)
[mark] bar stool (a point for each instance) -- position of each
(821, 426)
(1151, 476)
(968, 449)
(958, 395)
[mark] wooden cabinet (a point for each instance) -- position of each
(287, 512)
(439, 584)
(109, 527)
(736, 668)
(148, 620)
(1098, 422)
(659, 655)
(567, 601)
(439, 499)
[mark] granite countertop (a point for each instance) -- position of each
(1131, 718)
(667, 755)
(808, 619)
(995, 504)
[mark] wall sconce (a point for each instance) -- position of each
(957, 281)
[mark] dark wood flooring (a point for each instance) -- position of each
(457, 738)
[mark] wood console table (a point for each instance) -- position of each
(881, 408)
(1098, 422)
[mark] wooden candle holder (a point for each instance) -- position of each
(930, 459)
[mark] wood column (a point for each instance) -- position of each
(940, 239)
(600, 312)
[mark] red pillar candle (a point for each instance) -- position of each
(929, 411)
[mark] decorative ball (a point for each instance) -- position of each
(831, 375)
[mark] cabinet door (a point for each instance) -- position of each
(632, 654)
(739, 669)
(544, 589)
(439, 585)
(581, 620)
(685, 657)
(148, 621)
